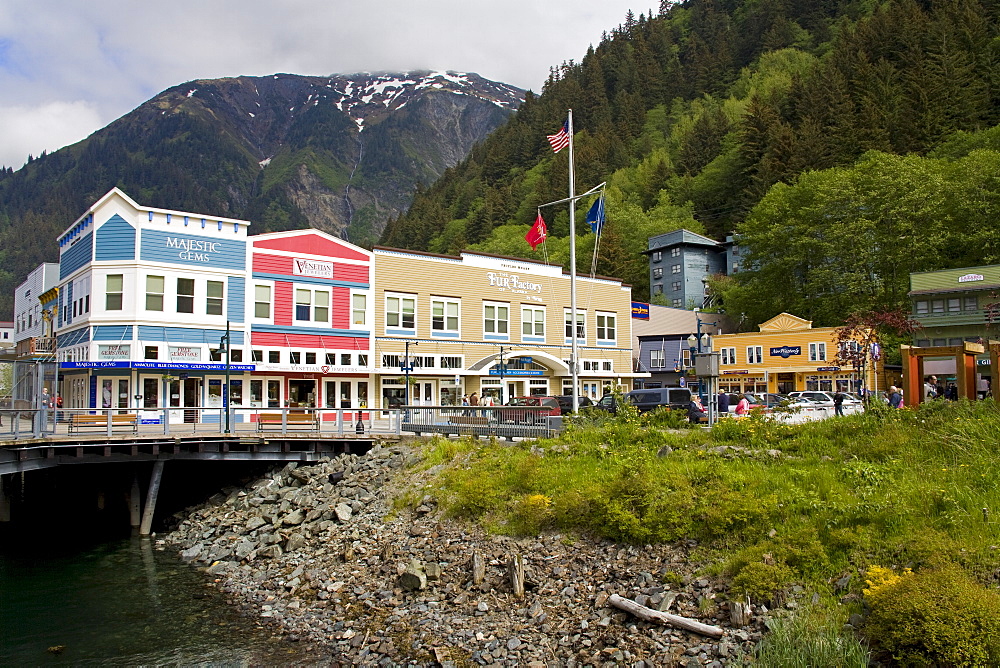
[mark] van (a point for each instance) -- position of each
(674, 398)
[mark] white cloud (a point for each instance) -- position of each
(47, 127)
(112, 55)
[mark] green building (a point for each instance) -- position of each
(954, 305)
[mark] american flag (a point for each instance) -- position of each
(560, 140)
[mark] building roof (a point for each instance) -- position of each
(680, 237)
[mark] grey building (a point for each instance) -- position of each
(680, 263)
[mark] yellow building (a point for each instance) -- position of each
(786, 355)
(494, 325)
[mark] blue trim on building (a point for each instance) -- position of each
(187, 335)
(313, 331)
(116, 333)
(74, 337)
(400, 332)
(445, 335)
(115, 240)
(533, 339)
(308, 280)
(496, 337)
(236, 299)
(192, 250)
(76, 255)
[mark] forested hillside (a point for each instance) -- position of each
(694, 115)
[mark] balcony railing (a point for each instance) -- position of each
(36, 346)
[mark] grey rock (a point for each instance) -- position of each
(343, 512)
(294, 518)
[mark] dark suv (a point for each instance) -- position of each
(566, 402)
(674, 398)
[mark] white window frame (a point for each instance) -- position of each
(728, 355)
(608, 331)
(359, 309)
(316, 296)
(581, 324)
(446, 329)
(657, 272)
(496, 321)
(755, 354)
(258, 302)
(657, 359)
(219, 302)
(529, 319)
(400, 310)
(153, 294)
(675, 269)
(817, 351)
(109, 294)
(675, 252)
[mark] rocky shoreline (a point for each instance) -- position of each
(321, 551)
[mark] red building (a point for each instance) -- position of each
(309, 309)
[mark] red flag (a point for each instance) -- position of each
(536, 234)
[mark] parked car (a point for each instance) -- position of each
(822, 398)
(674, 398)
(566, 402)
(734, 398)
(550, 407)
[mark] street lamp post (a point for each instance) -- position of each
(502, 370)
(406, 367)
(224, 345)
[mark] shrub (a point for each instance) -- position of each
(809, 639)
(762, 581)
(937, 617)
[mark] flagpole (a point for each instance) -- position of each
(574, 359)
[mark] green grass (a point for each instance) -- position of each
(890, 488)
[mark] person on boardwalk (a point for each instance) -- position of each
(723, 403)
(838, 403)
(895, 398)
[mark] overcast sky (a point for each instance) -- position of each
(70, 67)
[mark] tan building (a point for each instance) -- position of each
(495, 326)
(786, 355)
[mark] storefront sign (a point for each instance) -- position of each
(156, 366)
(184, 354)
(740, 371)
(786, 351)
(512, 283)
(828, 368)
(640, 311)
(968, 278)
(194, 250)
(312, 268)
(121, 351)
(517, 372)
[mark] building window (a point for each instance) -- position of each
(257, 356)
(294, 357)
(152, 353)
(581, 324)
(185, 295)
(675, 269)
(236, 355)
(359, 309)
(937, 306)
(606, 329)
(532, 321)
(657, 288)
(312, 305)
(154, 293)
(391, 361)
(444, 315)
(345, 359)
(362, 360)
(262, 301)
(657, 272)
(675, 286)
(954, 305)
(675, 252)
(657, 256)
(495, 319)
(817, 352)
(657, 359)
(728, 355)
(399, 312)
(213, 301)
(677, 303)
(921, 308)
(310, 358)
(755, 354)
(971, 304)
(113, 298)
(274, 357)
(451, 362)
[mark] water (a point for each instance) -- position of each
(124, 603)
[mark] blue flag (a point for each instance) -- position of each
(596, 215)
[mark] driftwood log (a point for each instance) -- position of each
(515, 569)
(650, 615)
(478, 568)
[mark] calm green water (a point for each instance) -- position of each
(124, 603)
